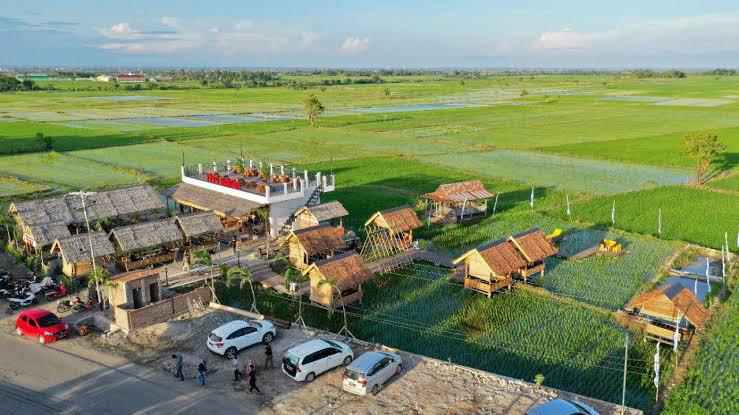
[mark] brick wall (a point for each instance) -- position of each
(132, 319)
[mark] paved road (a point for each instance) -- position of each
(66, 378)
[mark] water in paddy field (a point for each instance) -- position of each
(130, 98)
(413, 107)
(169, 122)
(690, 284)
(633, 98)
(228, 118)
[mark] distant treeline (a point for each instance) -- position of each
(10, 84)
(722, 71)
(647, 73)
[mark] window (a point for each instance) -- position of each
(32, 323)
(24, 319)
(237, 333)
(311, 357)
(249, 330)
(331, 351)
(48, 320)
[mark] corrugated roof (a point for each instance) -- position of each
(197, 224)
(325, 211)
(502, 257)
(347, 269)
(46, 233)
(145, 235)
(460, 192)
(202, 198)
(681, 298)
(76, 248)
(534, 245)
(320, 239)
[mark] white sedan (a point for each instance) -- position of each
(231, 337)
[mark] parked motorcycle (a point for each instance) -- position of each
(75, 305)
(42, 286)
(55, 293)
(24, 299)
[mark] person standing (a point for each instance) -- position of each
(253, 381)
(186, 262)
(249, 367)
(178, 372)
(268, 364)
(237, 372)
(201, 373)
(233, 244)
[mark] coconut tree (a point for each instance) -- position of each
(294, 276)
(203, 257)
(336, 295)
(263, 213)
(242, 276)
(100, 278)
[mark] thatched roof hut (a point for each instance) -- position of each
(671, 302)
(221, 204)
(317, 242)
(533, 245)
(145, 235)
(197, 224)
(315, 215)
(45, 234)
(75, 252)
(490, 267)
(348, 271)
(458, 202)
(399, 219)
(469, 190)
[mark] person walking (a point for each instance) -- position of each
(201, 373)
(249, 367)
(253, 381)
(237, 372)
(233, 244)
(178, 372)
(268, 364)
(186, 262)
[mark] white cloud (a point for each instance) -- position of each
(172, 22)
(214, 29)
(354, 45)
(122, 31)
(243, 25)
(308, 38)
(565, 39)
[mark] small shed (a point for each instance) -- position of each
(146, 244)
(669, 309)
(75, 252)
(199, 228)
(44, 234)
(458, 202)
(347, 270)
(489, 268)
(307, 245)
(535, 247)
(389, 232)
(330, 212)
(135, 289)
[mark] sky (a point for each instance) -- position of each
(376, 33)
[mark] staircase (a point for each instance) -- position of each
(315, 197)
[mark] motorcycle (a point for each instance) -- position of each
(24, 299)
(76, 305)
(42, 286)
(55, 293)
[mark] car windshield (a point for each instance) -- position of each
(352, 374)
(292, 359)
(214, 337)
(334, 344)
(48, 320)
(580, 407)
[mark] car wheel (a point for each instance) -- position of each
(310, 376)
(375, 389)
(41, 340)
(398, 369)
(347, 360)
(268, 337)
(18, 331)
(231, 352)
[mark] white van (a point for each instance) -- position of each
(370, 371)
(307, 360)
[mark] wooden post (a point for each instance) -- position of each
(166, 276)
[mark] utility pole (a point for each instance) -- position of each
(626, 361)
(82, 196)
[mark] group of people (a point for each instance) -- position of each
(249, 369)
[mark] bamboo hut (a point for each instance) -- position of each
(44, 234)
(146, 244)
(389, 232)
(304, 246)
(535, 247)
(75, 252)
(332, 213)
(458, 202)
(348, 271)
(669, 313)
(491, 267)
(200, 228)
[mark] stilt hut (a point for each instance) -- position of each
(669, 313)
(75, 252)
(458, 202)
(491, 267)
(332, 213)
(348, 272)
(146, 244)
(389, 232)
(304, 246)
(200, 229)
(535, 247)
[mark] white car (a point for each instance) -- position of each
(370, 371)
(562, 407)
(307, 360)
(231, 337)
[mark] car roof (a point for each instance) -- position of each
(311, 346)
(368, 359)
(559, 407)
(230, 327)
(35, 313)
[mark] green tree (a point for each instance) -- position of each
(386, 91)
(294, 276)
(313, 108)
(202, 257)
(705, 149)
(101, 280)
(242, 276)
(46, 142)
(8, 223)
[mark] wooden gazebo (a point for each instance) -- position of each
(332, 213)
(389, 232)
(669, 309)
(75, 252)
(199, 229)
(304, 246)
(534, 247)
(489, 268)
(145, 244)
(458, 202)
(348, 271)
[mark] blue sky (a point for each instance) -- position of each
(377, 33)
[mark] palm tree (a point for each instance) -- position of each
(202, 257)
(8, 222)
(100, 277)
(242, 276)
(263, 213)
(335, 289)
(294, 276)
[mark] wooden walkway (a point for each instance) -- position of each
(407, 258)
(262, 273)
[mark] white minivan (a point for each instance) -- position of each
(307, 360)
(370, 371)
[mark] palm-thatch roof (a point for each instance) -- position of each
(320, 239)
(146, 235)
(205, 199)
(533, 245)
(670, 299)
(324, 211)
(348, 270)
(135, 275)
(399, 219)
(460, 192)
(200, 223)
(107, 204)
(46, 233)
(501, 256)
(76, 248)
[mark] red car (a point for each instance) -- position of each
(42, 324)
